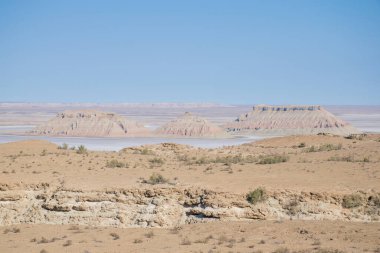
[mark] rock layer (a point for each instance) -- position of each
(190, 125)
(90, 123)
(170, 207)
(289, 120)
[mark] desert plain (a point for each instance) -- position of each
(299, 193)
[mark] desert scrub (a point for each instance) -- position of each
(358, 137)
(302, 145)
(374, 200)
(352, 201)
(115, 236)
(157, 161)
(323, 147)
(63, 146)
(144, 151)
(293, 207)
(271, 159)
(82, 150)
(116, 164)
(156, 178)
(44, 152)
(256, 196)
(350, 158)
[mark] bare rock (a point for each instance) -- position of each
(189, 125)
(289, 120)
(90, 123)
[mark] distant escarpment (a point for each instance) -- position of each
(90, 123)
(190, 125)
(289, 120)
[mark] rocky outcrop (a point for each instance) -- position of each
(90, 123)
(289, 120)
(190, 125)
(168, 206)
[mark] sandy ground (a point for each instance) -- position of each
(231, 169)
(33, 162)
(258, 236)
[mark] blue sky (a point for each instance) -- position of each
(235, 52)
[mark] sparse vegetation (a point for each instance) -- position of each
(82, 150)
(157, 161)
(352, 201)
(150, 234)
(63, 146)
(44, 152)
(358, 137)
(116, 164)
(256, 196)
(227, 160)
(281, 250)
(349, 158)
(293, 207)
(11, 230)
(323, 147)
(302, 145)
(156, 178)
(272, 159)
(185, 241)
(137, 241)
(67, 243)
(115, 236)
(144, 151)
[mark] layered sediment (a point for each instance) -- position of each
(171, 206)
(189, 125)
(90, 123)
(289, 120)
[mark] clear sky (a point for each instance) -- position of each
(236, 52)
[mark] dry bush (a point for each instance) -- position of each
(323, 147)
(115, 236)
(272, 159)
(352, 201)
(116, 164)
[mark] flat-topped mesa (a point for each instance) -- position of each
(90, 123)
(289, 120)
(189, 125)
(285, 108)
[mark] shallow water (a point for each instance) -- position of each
(116, 144)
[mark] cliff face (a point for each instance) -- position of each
(89, 123)
(282, 120)
(190, 125)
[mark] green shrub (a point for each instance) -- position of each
(116, 164)
(352, 201)
(82, 150)
(271, 159)
(256, 196)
